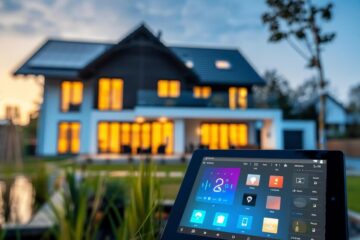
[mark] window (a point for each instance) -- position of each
(189, 63)
(238, 97)
(202, 91)
(69, 138)
(169, 88)
(222, 64)
(110, 94)
(224, 135)
(71, 95)
(133, 138)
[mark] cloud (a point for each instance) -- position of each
(180, 20)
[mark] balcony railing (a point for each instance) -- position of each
(149, 98)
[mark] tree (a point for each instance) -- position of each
(354, 97)
(275, 94)
(299, 23)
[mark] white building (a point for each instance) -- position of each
(139, 96)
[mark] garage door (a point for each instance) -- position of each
(293, 139)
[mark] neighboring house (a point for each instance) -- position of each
(141, 96)
(336, 115)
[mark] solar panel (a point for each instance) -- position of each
(72, 55)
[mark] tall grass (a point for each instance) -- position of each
(141, 219)
(76, 217)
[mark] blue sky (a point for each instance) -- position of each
(25, 24)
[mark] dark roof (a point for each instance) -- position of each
(203, 60)
(58, 58)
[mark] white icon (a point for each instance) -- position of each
(217, 234)
(244, 222)
(285, 165)
(253, 180)
(249, 199)
(321, 161)
(193, 231)
(220, 219)
(233, 236)
(205, 233)
(198, 215)
(300, 180)
(313, 230)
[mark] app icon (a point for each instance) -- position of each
(273, 202)
(245, 222)
(198, 216)
(301, 180)
(220, 219)
(299, 226)
(249, 199)
(270, 225)
(276, 181)
(218, 185)
(300, 202)
(253, 180)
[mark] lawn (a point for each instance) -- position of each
(170, 185)
(353, 188)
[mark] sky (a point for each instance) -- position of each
(26, 24)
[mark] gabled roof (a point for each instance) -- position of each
(72, 59)
(203, 61)
(139, 37)
(57, 58)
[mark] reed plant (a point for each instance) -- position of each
(141, 218)
(76, 215)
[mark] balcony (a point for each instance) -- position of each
(149, 98)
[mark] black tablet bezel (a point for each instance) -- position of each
(336, 203)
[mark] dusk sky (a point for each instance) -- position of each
(26, 24)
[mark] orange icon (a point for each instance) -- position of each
(276, 181)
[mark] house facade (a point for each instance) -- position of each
(140, 96)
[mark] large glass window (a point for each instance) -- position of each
(133, 138)
(169, 88)
(69, 138)
(223, 135)
(202, 91)
(110, 94)
(71, 95)
(238, 97)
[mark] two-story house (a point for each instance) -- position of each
(140, 96)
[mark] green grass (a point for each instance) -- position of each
(353, 188)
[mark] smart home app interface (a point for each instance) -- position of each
(257, 199)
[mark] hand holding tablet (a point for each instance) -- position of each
(258, 195)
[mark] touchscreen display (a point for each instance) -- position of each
(255, 199)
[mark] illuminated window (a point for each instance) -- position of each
(202, 91)
(168, 88)
(134, 138)
(189, 63)
(71, 95)
(224, 135)
(222, 64)
(68, 138)
(238, 97)
(110, 94)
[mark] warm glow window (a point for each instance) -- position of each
(136, 138)
(69, 138)
(224, 135)
(168, 88)
(238, 97)
(71, 95)
(202, 91)
(110, 94)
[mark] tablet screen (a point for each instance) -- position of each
(254, 199)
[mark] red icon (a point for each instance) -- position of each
(276, 181)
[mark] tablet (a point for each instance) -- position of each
(258, 195)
